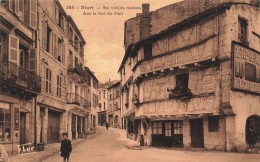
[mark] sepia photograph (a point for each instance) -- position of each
(129, 80)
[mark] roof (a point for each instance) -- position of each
(176, 27)
(91, 73)
(114, 85)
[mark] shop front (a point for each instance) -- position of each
(167, 133)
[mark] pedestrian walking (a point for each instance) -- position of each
(251, 138)
(107, 125)
(65, 147)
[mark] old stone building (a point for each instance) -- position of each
(65, 102)
(94, 99)
(190, 74)
(103, 99)
(114, 105)
(19, 82)
(45, 90)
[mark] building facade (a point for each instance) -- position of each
(45, 88)
(114, 106)
(19, 80)
(190, 74)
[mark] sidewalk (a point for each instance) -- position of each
(49, 150)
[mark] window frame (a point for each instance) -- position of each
(59, 87)
(243, 30)
(5, 123)
(48, 80)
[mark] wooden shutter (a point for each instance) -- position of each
(11, 5)
(16, 7)
(57, 14)
(13, 50)
(33, 60)
(63, 53)
(33, 14)
(44, 35)
(49, 81)
(58, 82)
(21, 10)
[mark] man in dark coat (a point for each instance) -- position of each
(107, 125)
(65, 147)
(251, 138)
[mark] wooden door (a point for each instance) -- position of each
(22, 128)
(157, 137)
(53, 126)
(197, 136)
(168, 135)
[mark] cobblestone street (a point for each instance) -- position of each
(112, 146)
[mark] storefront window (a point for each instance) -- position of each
(5, 122)
(157, 127)
(178, 127)
(168, 129)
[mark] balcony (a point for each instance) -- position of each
(81, 72)
(18, 81)
(73, 98)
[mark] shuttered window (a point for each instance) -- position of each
(48, 80)
(33, 14)
(32, 60)
(59, 78)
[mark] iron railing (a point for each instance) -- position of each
(73, 98)
(14, 74)
(81, 71)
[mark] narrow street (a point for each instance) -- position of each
(111, 146)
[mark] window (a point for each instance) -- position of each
(5, 122)
(117, 93)
(213, 123)
(182, 80)
(127, 96)
(48, 80)
(104, 93)
(59, 85)
(76, 43)
(61, 21)
(242, 30)
(178, 127)
(104, 106)
(157, 128)
(148, 51)
(99, 95)
(168, 129)
(46, 34)
(71, 35)
(250, 72)
(110, 97)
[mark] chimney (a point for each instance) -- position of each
(145, 22)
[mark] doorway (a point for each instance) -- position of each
(22, 128)
(197, 136)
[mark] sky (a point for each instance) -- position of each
(104, 33)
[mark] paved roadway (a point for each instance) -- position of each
(109, 146)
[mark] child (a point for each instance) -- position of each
(65, 147)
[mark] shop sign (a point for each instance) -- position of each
(245, 68)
